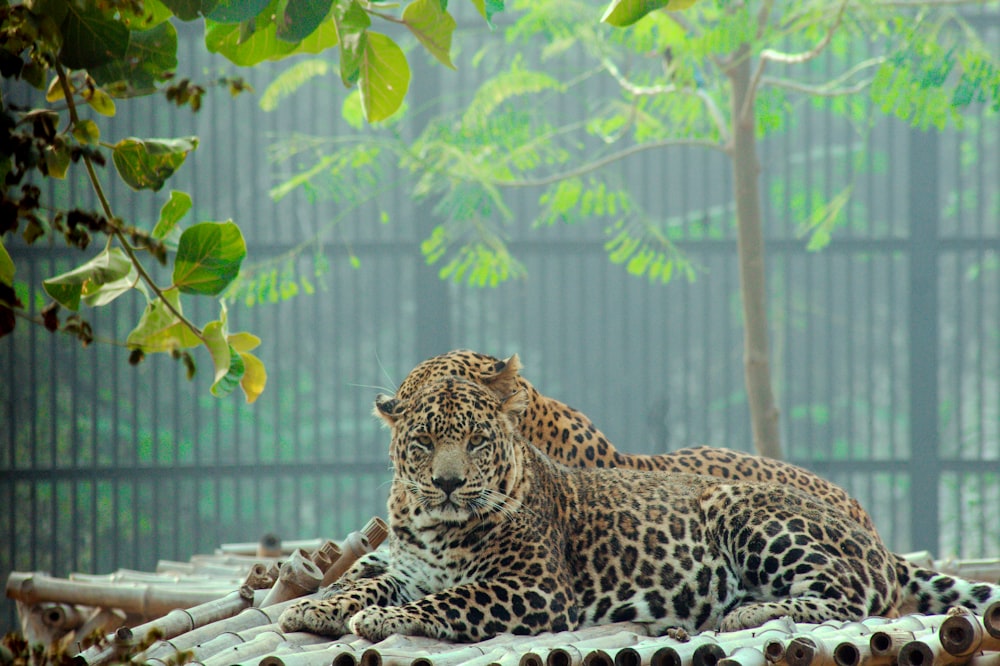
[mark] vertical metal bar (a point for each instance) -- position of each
(924, 207)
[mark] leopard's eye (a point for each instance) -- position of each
(423, 442)
(476, 442)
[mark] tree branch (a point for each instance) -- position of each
(106, 206)
(649, 91)
(614, 157)
(771, 55)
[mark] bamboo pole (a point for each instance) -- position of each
(177, 622)
(250, 547)
(144, 600)
(744, 656)
(306, 657)
(926, 651)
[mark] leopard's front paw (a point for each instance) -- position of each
(325, 617)
(377, 623)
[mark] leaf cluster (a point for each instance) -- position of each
(84, 56)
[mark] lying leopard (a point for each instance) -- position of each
(489, 535)
(568, 436)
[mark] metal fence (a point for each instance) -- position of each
(886, 346)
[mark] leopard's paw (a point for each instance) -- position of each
(377, 623)
(319, 617)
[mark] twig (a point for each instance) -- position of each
(771, 55)
(106, 206)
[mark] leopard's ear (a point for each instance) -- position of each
(502, 377)
(389, 408)
(514, 405)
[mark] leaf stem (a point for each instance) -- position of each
(112, 221)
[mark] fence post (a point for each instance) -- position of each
(924, 210)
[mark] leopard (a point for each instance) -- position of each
(567, 435)
(488, 535)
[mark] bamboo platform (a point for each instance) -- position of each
(221, 609)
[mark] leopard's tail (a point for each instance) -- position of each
(931, 592)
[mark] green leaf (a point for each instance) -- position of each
(90, 38)
(147, 163)
(621, 13)
(351, 110)
(154, 13)
(209, 256)
(290, 80)
(385, 77)
(263, 44)
(187, 10)
(229, 367)
(159, 329)
(433, 26)
(108, 266)
(151, 58)
(98, 295)
(235, 11)
(6, 265)
(352, 24)
(301, 18)
(173, 210)
(487, 8)
(86, 131)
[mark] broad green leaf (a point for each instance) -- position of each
(151, 58)
(301, 17)
(154, 13)
(235, 11)
(433, 26)
(173, 210)
(6, 265)
(147, 163)
(90, 38)
(159, 329)
(487, 8)
(108, 266)
(229, 368)
(243, 342)
(352, 25)
(291, 80)
(98, 295)
(188, 10)
(385, 77)
(209, 256)
(254, 377)
(263, 44)
(621, 13)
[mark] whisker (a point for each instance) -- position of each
(382, 389)
(385, 372)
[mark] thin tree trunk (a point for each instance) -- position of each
(750, 247)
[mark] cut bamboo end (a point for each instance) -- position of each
(991, 619)
(297, 576)
(665, 656)
(961, 634)
(269, 546)
(376, 530)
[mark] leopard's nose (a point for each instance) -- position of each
(448, 484)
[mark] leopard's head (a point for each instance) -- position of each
(455, 449)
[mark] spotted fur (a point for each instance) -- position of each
(488, 535)
(568, 436)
